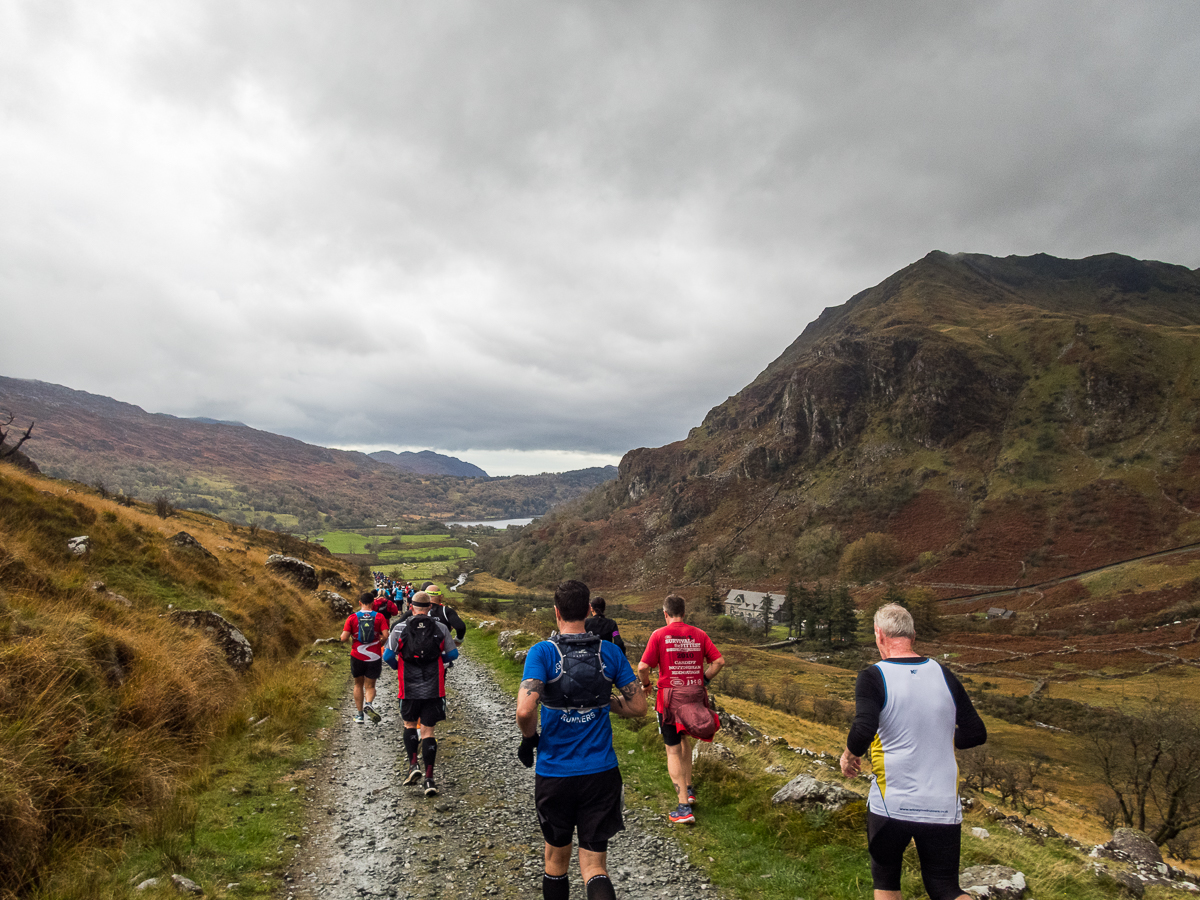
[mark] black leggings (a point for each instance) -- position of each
(938, 848)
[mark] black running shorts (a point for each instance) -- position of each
(425, 712)
(591, 805)
(366, 668)
(938, 848)
(671, 735)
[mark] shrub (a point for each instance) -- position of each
(869, 556)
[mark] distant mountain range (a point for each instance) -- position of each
(975, 420)
(244, 474)
(426, 462)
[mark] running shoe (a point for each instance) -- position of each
(414, 775)
(691, 795)
(681, 815)
(430, 788)
(371, 714)
(358, 717)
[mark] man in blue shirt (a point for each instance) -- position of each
(578, 783)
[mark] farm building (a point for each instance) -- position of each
(749, 604)
(997, 612)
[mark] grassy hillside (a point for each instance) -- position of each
(251, 476)
(115, 719)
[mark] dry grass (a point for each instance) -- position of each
(108, 709)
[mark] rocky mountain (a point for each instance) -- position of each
(241, 473)
(970, 421)
(426, 462)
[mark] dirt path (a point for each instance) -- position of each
(369, 836)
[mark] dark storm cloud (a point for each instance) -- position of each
(544, 226)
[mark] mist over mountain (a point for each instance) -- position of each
(997, 421)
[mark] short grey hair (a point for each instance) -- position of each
(894, 621)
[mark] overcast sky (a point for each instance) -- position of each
(535, 235)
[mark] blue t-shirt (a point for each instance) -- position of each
(575, 741)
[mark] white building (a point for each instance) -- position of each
(749, 604)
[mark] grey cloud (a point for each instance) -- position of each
(539, 225)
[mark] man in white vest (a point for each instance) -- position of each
(911, 714)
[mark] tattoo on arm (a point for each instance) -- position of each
(533, 686)
(630, 690)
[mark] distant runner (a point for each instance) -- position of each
(599, 624)
(419, 649)
(366, 630)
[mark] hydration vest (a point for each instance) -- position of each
(581, 682)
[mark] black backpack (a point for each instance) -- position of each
(581, 682)
(366, 627)
(422, 640)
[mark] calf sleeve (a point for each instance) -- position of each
(599, 887)
(410, 745)
(429, 754)
(555, 887)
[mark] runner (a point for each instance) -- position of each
(599, 624)
(419, 649)
(686, 660)
(577, 781)
(447, 615)
(367, 630)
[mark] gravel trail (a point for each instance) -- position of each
(369, 836)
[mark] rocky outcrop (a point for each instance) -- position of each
(237, 649)
(338, 605)
(807, 792)
(185, 540)
(296, 569)
(516, 644)
(993, 883)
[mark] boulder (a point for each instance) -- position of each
(993, 883)
(714, 750)
(338, 605)
(79, 545)
(808, 792)
(516, 644)
(1128, 883)
(296, 569)
(1134, 845)
(737, 726)
(229, 639)
(183, 539)
(186, 885)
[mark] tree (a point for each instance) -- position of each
(6, 452)
(869, 556)
(842, 618)
(768, 608)
(1152, 766)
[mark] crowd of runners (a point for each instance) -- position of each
(910, 712)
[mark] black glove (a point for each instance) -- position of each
(525, 751)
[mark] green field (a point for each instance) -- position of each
(428, 554)
(356, 542)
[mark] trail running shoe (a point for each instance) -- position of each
(430, 788)
(681, 815)
(371, 714)
(414, 775)
(691, 795)
(358, 717)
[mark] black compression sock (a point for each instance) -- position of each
(555, 887)
(429, 754)
(600, 888)
(410, 745)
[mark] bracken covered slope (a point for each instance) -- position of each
(1002, 420)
